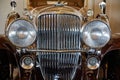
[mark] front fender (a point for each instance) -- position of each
(7, 58)
(109, 69)
(6, 46)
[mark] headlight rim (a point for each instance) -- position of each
(24, 66)
(8, 28)
(84, 25)
(95, 66)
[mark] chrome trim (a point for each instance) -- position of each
(94, 65)
(59, 44)
(54, 51)
(106, 22)
(59, 31)
(83, 27)
(8, 27)
(17, 20)
(25, 65)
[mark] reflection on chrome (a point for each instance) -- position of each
(58, 32)
(27, 62)
(62, 65)
(93, 63)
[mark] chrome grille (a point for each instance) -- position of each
(58, 32)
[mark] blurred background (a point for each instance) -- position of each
(113, 11)
(5, 9)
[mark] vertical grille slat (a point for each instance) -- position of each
(58, 32)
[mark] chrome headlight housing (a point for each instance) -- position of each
(27, 62)
(96, 33)
(21, 33)
(93, 62)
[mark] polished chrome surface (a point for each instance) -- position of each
(27, 62)
(21, 32)
(57, 51)
(93, 63)
(58, 32)
(96, 33)
(90, 12)
(102, 6)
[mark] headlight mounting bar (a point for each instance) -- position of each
(53, 51)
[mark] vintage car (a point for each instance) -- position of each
(59, 40)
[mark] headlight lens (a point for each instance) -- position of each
(21, 33)
(96, 34)
(27, 62)
(93, 63)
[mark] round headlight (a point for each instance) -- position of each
(27, 62)
(21, 33)
(96, 34)
(93, 63)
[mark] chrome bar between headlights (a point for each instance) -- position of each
(54, 51)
